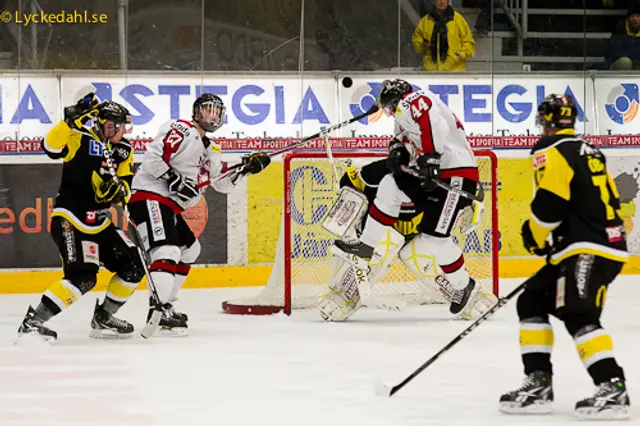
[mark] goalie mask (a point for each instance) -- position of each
(112, 118)
(557, 112)
(208, 112)
(390, 95)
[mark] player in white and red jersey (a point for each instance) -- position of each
(431, 141)
(178, 166)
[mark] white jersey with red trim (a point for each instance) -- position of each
(428, 125)
(179, 146)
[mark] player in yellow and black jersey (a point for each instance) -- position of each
(87, 189)
(575, 223)
(96, 174)
(366, 180)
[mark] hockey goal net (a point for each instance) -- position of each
(303, 266)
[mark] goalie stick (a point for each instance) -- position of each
(294, 145)
(384, 390)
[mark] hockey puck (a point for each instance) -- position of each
(347, 82)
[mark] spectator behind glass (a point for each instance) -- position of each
(444, 39)
(623, 52)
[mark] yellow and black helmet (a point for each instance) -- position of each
(558, 112)
(111, 111)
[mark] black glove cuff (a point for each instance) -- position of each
(169, 175)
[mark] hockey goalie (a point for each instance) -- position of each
(398, 201)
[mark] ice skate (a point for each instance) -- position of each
(106, 326)
(461, 299)
(33, 326)
(182, 316)
(171, 324)
(535, 396)
(610, 402)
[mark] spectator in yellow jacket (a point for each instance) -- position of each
(444, 39)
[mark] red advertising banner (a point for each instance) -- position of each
(32, 146)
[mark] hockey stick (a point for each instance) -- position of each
(479, 197)
(384, 390)
(154, 321)
(153, 324)
(294, 145)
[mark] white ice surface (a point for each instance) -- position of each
(290, 371)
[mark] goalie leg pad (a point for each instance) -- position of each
(342, 298)
(384, 253)
(422, 265)
(349, 290)
(447, 255)
(416, 255)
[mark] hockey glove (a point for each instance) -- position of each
(84, 109)
(111, 191)
(255, 163)
(184, 188)
(429, 170)
(530, 243)
(398, 156)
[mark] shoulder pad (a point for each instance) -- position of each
(122, 150)
(125, 142)
(215, 146)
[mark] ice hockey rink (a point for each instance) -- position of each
(293, 371)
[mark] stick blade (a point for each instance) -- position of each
(382, 389)
(152, 325)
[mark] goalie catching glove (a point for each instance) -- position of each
(181, 186)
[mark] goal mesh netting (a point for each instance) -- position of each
(303, 266)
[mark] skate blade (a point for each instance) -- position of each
(109, 334)
(609, 413)
(538, 407)
(33, 340)
(172, 332)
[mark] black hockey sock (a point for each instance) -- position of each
(537, 362)
(111, 306)
(44, 313)
(605, 370)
